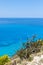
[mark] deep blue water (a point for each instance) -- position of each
(14, 31)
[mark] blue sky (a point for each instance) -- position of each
(21, 8)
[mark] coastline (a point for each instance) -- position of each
(30, 54)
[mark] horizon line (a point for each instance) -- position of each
(20, 17)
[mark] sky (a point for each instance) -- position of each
(21, 8)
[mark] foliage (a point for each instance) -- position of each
(21, 53)
(30, 47)
(30, 58)
(4, 59)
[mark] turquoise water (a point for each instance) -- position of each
(13, 32)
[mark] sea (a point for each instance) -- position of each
(15, 31)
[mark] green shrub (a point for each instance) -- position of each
(30, 58)
(21, 53)
(4, 59)
(30, 47)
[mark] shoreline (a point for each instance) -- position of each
(30, 50)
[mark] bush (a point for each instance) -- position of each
(21, 53)
(30, 47)
(30, 58)
(4, 59)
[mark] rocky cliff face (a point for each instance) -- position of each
(37, 60)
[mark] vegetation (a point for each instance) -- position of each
(4, 59)
(30, 58)
(30, 47)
